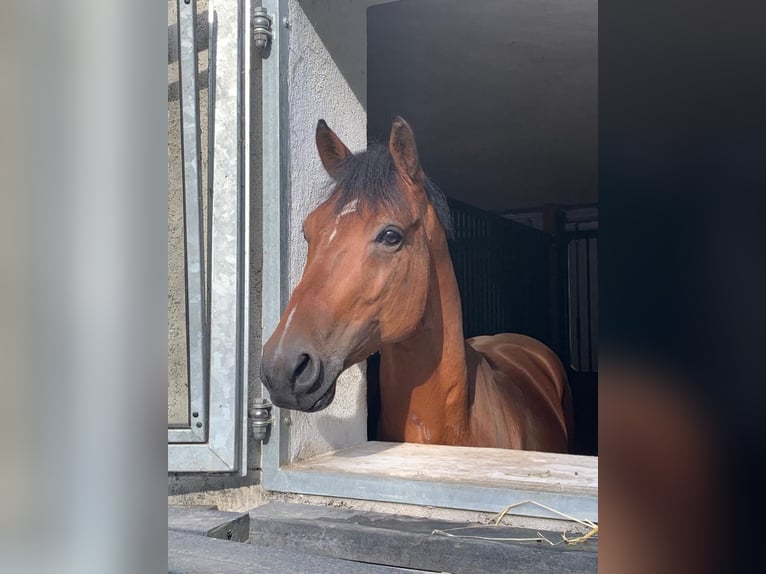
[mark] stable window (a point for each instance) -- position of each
(312, 64)
(325, 69)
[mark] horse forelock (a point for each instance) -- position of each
(368, 179)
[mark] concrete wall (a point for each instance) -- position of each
(327, 66)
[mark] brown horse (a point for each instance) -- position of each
(379, 278)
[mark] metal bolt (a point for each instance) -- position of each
(199, 425)
(261, 28)
(260, 418)
(195, 414)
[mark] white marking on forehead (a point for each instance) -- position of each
(350, 207)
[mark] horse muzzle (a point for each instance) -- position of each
(298, 378)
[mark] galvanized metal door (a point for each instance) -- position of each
(208, 327)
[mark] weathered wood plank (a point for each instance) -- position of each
(209, 522)
(195, 554)
(501, 468)
(409, 543)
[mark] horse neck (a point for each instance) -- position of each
(423, 378)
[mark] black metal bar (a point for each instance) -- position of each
(585, 233)
(576, 298)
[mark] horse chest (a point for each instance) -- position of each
(416, 429)
(419, 427)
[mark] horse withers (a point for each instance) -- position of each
(379, 277)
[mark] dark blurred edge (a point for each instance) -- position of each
(682, 159)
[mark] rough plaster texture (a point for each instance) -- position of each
(323, 34)
(178, 379)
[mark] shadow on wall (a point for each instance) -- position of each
(342, 27)
(203, 36)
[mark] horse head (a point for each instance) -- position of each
(365, 282)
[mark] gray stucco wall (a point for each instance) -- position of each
(327, 66)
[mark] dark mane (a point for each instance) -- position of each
(370, 178)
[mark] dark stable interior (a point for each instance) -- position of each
(506, 127)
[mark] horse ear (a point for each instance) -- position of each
(332, 151)
(401, 144)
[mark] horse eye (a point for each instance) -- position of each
(390, 237)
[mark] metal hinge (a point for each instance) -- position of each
(262, 33)
(260, 419)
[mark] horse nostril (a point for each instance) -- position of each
(303, 362)
(306, 374)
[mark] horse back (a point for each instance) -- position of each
(526, 380)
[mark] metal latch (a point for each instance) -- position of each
(260, 419)
(262, 33)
